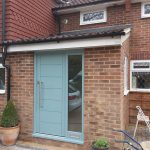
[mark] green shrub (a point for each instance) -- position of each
(9, 116)
(101, 143)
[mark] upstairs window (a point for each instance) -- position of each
(92, 17)
(145, 10)
(140, 75)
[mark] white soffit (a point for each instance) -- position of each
(69, 44)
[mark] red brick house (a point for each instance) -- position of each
(76, 69)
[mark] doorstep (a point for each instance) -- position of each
(36, 146)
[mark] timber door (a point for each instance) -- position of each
(50, 94)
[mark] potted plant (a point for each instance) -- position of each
(100, 144)
(9, 124)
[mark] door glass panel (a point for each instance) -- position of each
(75, 93)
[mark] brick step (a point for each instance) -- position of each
(37, 146)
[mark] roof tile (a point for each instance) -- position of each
(78, 34)
(76, 3)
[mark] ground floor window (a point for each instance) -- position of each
(2, 77)
(140, 75)
(59, 96)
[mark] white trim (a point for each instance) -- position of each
(143, 15)
(70, 44)
(126, 91)
(124, 38)
(137, 70)
(140, 90)
(2, 91)
(1, 66)
(94, 21)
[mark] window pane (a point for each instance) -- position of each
(2, 78)
(0, 60)
(147, 9)
(141, 65)
(75, 93)
(141, 80)
(93, 16)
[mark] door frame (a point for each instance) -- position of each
(66, 138)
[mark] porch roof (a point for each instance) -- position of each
(109, 31)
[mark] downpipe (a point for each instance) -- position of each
(8, 70)
(4, 48)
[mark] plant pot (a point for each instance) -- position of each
(93, 148)
(9, 135)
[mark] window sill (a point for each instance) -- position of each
(145, 17)
(57, 138)
(2, 91)
(140, 91)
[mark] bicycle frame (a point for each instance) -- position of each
(133, 141)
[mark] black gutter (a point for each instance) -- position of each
(4, 47)
(67, 6)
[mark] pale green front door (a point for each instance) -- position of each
(50, 93)
(59, 94)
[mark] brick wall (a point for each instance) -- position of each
(125, 99)
(103, 97)
(118, 15)
(22, 83)
(28, 19)
(139, 41)
(104, 100)
(139, 99)
(103, 91)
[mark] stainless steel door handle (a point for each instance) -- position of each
(40, 98)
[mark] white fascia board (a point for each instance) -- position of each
(69, 44)
(126, 36)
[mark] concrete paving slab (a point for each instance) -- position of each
(13, 148)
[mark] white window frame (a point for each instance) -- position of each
(2, 91)
(138, 70)
(143, 15)
(126, 90)
(94, 21)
